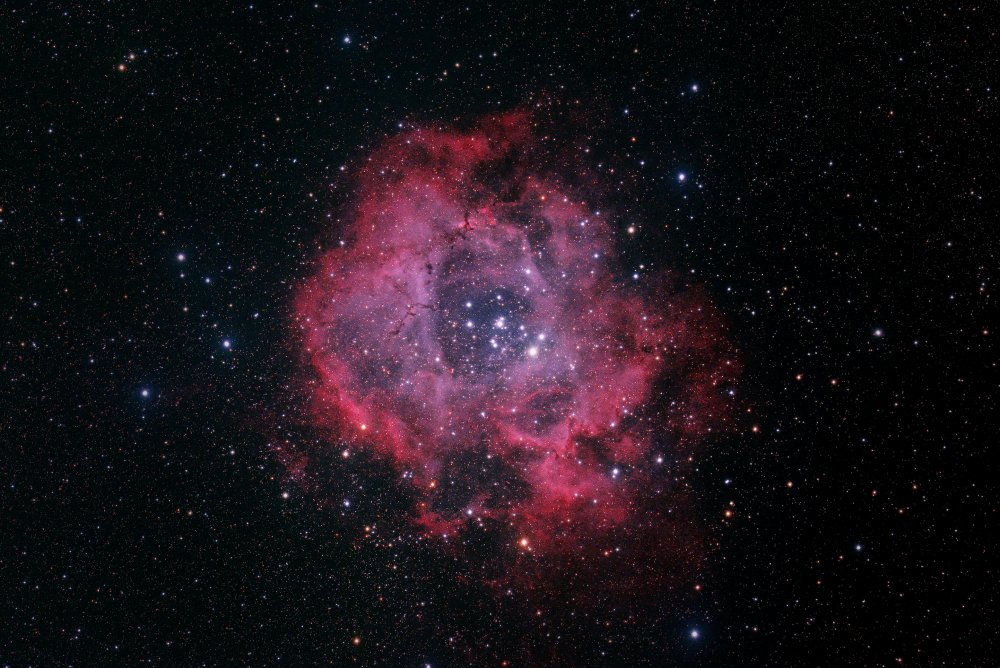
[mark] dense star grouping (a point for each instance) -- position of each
(472, 326)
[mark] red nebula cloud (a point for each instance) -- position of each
(474, 328)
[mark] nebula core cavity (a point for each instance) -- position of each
(476, 328)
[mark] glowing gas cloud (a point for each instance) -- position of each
(475, 326)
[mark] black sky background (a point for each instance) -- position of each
(839, 206)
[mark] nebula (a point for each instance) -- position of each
(474, 325)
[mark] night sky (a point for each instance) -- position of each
(500, 334)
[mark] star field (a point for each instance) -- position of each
(692, 362)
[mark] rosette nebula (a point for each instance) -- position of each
(476, 326)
